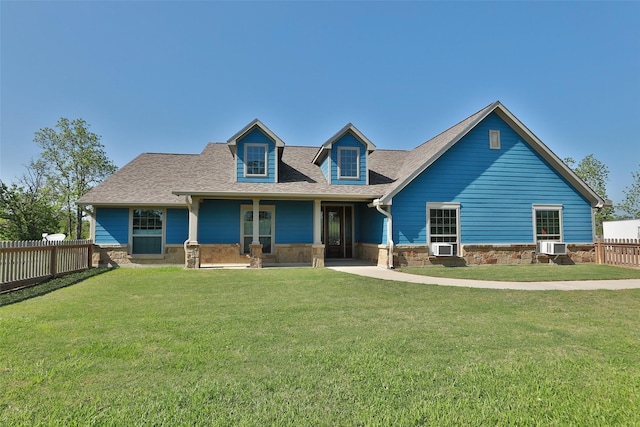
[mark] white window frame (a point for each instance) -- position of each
(494, 139)
(357, 151)
(455, 206)
(266, 159)
(249, 208)
(547, 207)
(162, 234)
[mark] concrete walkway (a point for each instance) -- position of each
(385, 274)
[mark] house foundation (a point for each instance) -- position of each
(317, 255)
(418, 256)
(192, 255)
(255, 255)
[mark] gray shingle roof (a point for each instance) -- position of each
(151, 179)
(163, 179)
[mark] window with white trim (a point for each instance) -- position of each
(547, 222)
(255, 159)
(443, 224)
(146, 231)
(348, 162)
(494, 139)
(266, 227)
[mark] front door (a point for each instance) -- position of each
(338, 235)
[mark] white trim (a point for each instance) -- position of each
(528, 136)
(193, 204)
(546, 207)
(278, 195)
(92, 225)
(255, 123)
(249, 208)
(413, 175)
(444, 205)
(162, 234)
(349, 127)
(339, 163)
(317, 222)
(266, 159)
(494, 139)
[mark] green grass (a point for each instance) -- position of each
(528, 273)
(315, 347)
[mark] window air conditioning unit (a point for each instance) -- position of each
(442, 249)
(550, 247)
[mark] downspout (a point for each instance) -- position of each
(387, 214)
(188, 200)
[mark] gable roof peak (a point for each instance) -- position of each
(427, 153)
(255, 123)
(349, 127)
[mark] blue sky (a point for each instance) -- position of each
(172, 76)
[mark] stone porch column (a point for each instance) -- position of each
(255, 256)
(191, 255)
(317, 249)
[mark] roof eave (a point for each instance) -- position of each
(533, 141)
(488, 110)
(550, 157)
(255, 123)
(349, 127)
(276, 195)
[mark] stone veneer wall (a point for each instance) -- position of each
(418, 256)
(373, 253)
(293, 254)
(115, 255)
(222, 254)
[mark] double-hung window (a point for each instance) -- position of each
(266, 218)
(547, 222)
(255, 159)
(443, 224)
(146, 232)
(348, 163)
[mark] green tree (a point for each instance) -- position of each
(74, 161)
(630, 206)
(596, 175)
(26, 210)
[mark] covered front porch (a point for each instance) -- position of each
(286, 232)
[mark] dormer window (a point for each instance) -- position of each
(348, 163)
(255, 159)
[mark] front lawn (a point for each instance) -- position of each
(315, 347)
(528, 273)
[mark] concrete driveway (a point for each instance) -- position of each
(386, 274)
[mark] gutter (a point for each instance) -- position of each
(607, 204)
(378, 205)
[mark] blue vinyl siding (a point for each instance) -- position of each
(349, 140)
(256, 136)
(496, 190)
(112, 226)
(370, 224)
(177, 226)
(294, 221)
(219, 221)
(324, 166)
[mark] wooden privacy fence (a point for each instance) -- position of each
(623, 252)
(26, 263)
